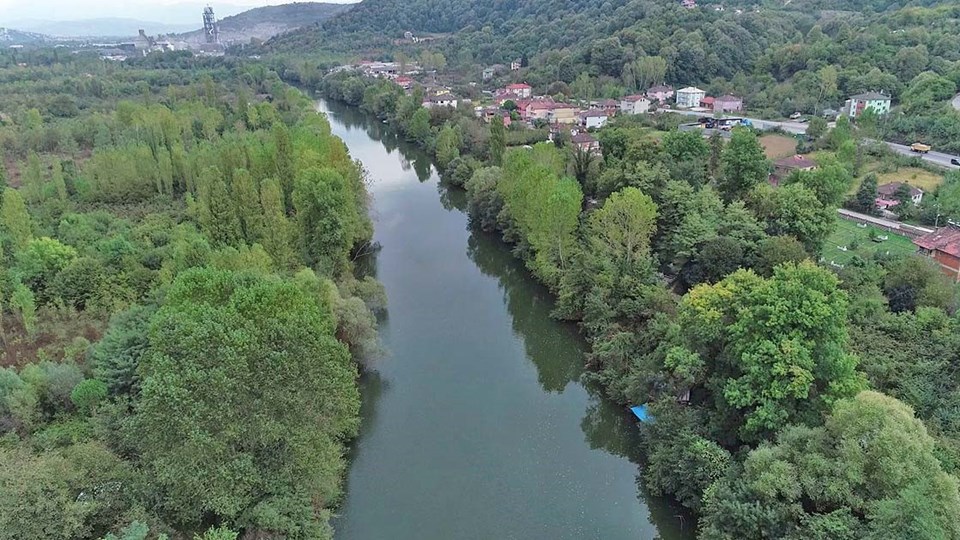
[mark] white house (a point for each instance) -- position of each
(637, 104)
(595, 119)
(870, 100)
(444, 100)
(690, 97)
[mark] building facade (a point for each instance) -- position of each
(690, 97)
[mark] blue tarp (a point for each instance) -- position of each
(640, 411)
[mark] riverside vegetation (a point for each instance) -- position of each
(180, 321)
(791, 400)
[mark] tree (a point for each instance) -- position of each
(16, 220)
(448, 145)
(23, 302)
(498, 141)
(33, 179)
(116, 357)
(866, 198)
(817, 128)
(58, 183)
(794, 210)
(419, 128)
(246, 199)
(869, 472)
(913, 282)
(279, 235)
(830, 182)
(38, 264)
(744, 165)
(286, 170)
(327, 219)
(225, 344)
(218, 215)
(772, 350)
(88, 394)
(620, 232)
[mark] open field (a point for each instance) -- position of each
(778, 146)
(925, 180)
(850, 234)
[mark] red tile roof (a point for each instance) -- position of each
(583, 138)
(519, 86)
(945, 239)
(707, 100)
(634, 98)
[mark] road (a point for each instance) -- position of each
(798, 128)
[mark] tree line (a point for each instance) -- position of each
(181, 322)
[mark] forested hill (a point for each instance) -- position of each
(264, 22)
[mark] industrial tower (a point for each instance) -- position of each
(210, 28)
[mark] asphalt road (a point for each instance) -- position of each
(798, 128)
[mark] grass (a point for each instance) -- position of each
(778, 146)
(848, 234)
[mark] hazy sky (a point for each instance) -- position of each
(166, 11)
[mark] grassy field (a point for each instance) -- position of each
(857, 241)
(778, 146)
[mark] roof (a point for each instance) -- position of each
(583, 138)
(691, 90)
(518, 86)
(708, 100)
(608, 103)
(660, 88)
(595, 113)
(796, 162)
(870, 96)
(945, 239)
(891, 189)
(541, 105)
(634, 98)
(729, 98)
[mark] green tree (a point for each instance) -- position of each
(794, 210)
(744, 165)
(419, 128)
(39, 263)
(247, 200)
(866, 198)
(16, 220)
(225, 344)
(23, 302)
(448, 145)
(218, 216)
(279, 234)
(817, 128)
(498, 141)
(88, 394)
(620, 232)
(773, 350)
(869, 472)
(327, 219)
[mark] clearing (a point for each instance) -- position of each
(857, 241)
(778, 146)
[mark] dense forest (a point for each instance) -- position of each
(801, 57)
(792, 399)
(181, 324)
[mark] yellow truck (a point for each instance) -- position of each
(920, 148)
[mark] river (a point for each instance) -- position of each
(476, 424)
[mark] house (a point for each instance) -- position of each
(690, 97)
(782, 168)
(521, 90)
(488, 73)
(889, 192)
(660, 93)
(870, 100)
(594, 119)
(689, 4)
(727, 103)
(636, 104)
(586, 142)
(943, 246)
(538, 109)
(442, 100)
(707, 102)
(404, 82)
(609, 106)
(515, 65)
(563, 113)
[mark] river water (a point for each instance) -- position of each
(475, 426)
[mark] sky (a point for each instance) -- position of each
(164, 11)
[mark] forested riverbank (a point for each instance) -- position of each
(181, 324)
(696, 284)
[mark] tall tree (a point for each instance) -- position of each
(744, 165)
(16, 220)
(218, 216)
(279, 235)
(247, 201)
(498, 141)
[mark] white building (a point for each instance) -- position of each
(594, 119)
(690, 97)
(637, 104)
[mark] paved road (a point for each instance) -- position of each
(937, 158)
(956, 102)
(798, 128)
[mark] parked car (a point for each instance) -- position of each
(795, 116)
(955, 161)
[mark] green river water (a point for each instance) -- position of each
(476, 424)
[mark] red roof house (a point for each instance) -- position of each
(521, 90)
(943, 246)
(707, 102)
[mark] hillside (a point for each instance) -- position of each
(265, 22)
(9, 36)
